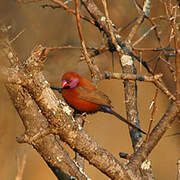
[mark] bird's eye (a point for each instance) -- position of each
(69, 81)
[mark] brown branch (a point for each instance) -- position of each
(66, 8)
(145, 149)
(28, 1)
(111, 29)
(20, 166)
(33, 119)
(91, 66)
(130, 89)
(153, 107)
(173, 24)
(143, 14)
(178, 170)
(143, 36)
(135, 28)
(95, 52)
(160, 85)
(17, 36)
(134, 77)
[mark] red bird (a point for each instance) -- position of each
(83, 96)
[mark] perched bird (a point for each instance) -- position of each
(83, 96)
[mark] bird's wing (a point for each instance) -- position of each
(94, 96)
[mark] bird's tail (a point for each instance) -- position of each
(126, 121)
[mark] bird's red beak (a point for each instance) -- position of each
(64, 84)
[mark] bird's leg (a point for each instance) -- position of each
(81, 117)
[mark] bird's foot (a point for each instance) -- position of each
(82, 118)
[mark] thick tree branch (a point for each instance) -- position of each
(33, 120)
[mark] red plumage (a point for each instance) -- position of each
(84, 97)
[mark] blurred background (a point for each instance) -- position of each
(55, 27)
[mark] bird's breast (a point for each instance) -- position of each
(71, 98)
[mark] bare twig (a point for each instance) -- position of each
(20, 166)
(145, 149)
(160, 85)
(84, 49)
(135, 28)
(153, 107)
(17, 36)
(110, 27)
(66, 8)
(125, 76)
(143, 36)
(178, 170)
(173, 24)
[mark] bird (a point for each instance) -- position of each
(83, 96)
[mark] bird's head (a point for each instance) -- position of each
(70, 80)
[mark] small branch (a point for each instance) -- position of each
(84, 50)
(145, 149)
(143, 36)
(17, 36)
(95, 52)
(66, 8)
(135, 28)
(143, 14)
(134, 77)
(178, 170)
(28, 1)
(154, 49)
(51, 6)
(173, 24)
(110, 28)
(153, 107)
(20, 166)
(159, 85)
